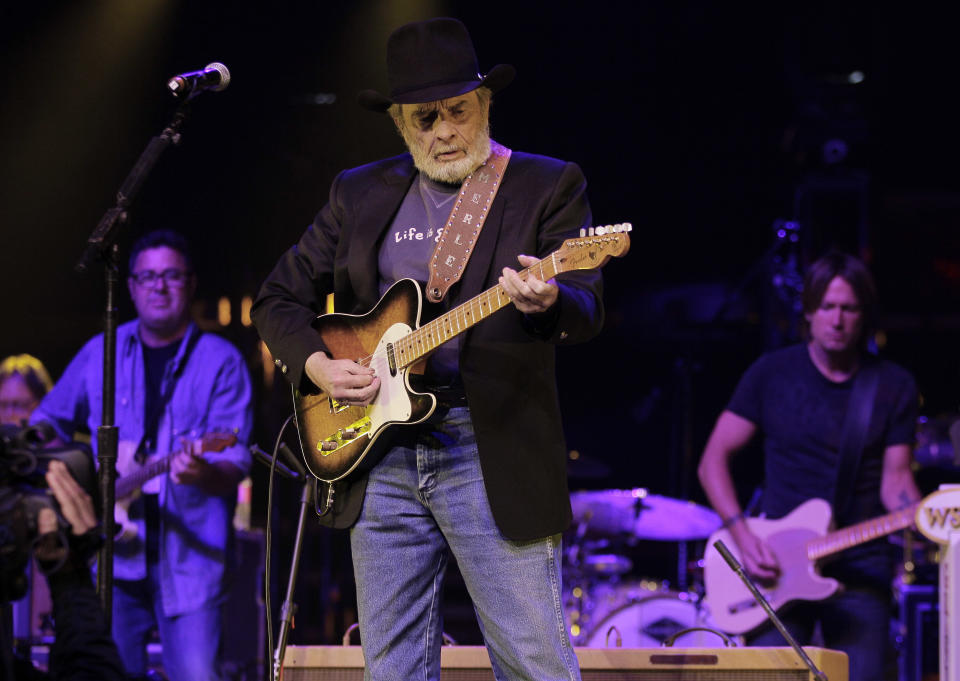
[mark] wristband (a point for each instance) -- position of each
(727, 522)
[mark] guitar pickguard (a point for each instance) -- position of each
(392, 404)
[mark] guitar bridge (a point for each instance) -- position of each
(344, 436)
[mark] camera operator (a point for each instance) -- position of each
(83, 648)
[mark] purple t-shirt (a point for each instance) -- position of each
(405, 254)
(800, 413)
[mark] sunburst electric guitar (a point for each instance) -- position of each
(336, 438)
(133, 475)
(799, 540)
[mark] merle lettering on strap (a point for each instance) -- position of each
(469, 212)
(856, 423)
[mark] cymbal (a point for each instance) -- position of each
(639, 514)
(607, 564)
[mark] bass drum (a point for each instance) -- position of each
(645, 619)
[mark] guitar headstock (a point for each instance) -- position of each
(217, 441)
(594, 247)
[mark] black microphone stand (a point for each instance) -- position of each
(289, 608)
(759, 597)
(102, 247)
(295, 471)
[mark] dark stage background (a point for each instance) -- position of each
(706, 126)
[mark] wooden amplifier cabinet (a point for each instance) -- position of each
(470, 663)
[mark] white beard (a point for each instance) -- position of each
(452, 172)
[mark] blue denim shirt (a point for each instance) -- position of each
(212, 393)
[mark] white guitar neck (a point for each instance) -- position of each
(854, 535)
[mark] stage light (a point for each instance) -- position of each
(223, 311)
(245, 304)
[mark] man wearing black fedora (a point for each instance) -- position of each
(483, 477)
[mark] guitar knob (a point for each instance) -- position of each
(349, 433)
(328, 446)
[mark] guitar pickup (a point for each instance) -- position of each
(337, 407)
(344, 436)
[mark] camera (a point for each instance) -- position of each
(25, 455)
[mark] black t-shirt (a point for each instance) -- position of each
(800, 413)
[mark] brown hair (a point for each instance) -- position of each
(853, 271)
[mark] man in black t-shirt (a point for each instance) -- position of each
(797, 399)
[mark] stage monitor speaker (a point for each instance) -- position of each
(470, 663)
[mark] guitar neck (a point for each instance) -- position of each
(433, 334)
(848, 537)
(130, 483)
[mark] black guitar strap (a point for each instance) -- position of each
(152, 419)
(853, 440)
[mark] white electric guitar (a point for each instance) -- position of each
(132, 475)
(798, 540)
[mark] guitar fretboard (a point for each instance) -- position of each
(130, 483)
(860, 533)
(433, 334)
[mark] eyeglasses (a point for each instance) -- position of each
(172, 277)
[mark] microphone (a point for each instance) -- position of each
(214, 77)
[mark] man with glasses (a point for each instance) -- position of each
(174, 384)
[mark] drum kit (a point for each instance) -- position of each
(605, 604)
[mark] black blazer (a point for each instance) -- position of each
(506, 361)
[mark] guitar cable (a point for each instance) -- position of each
(269, 536)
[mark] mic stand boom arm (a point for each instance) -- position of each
(102, 247)
(741, 573)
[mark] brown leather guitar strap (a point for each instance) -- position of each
(465, 222)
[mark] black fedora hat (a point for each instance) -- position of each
(432, 60)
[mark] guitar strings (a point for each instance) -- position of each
(435, 326)
(417, 337)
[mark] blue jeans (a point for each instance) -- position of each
(426, 501)
(857, 621)
(191, 642)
